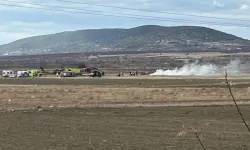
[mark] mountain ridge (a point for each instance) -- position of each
(141, 38)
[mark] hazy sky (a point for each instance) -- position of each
(19, 22)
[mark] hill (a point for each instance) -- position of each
(143, 38)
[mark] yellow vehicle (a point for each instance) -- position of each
(77, 71)
(34, 73)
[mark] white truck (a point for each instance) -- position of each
(7, 73)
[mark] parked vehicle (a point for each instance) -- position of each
(34, 73)
(77, 71)
(93, 72)
(67, 74)
(7, 73)
(22, 74)
(12, 75)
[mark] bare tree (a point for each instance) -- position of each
(236, 105)
(199, 139)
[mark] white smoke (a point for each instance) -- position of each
(195, 69)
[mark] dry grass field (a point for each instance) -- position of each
(114, 92)
(140, 128)
(122, 113)
(61, 96)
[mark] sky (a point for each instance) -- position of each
(21, 22)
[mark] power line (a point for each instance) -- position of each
(152, 11)
(123, 15)
(112, 13)
(96, 11)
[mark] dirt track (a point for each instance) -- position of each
(146, 81)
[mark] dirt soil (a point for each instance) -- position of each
(142, 81)
(125, 129)
(61, 96)
(126, 114)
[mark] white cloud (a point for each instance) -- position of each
(244, 7)
(18, 35)
(14, 30)
(218, 4)
(30, 24)
(19, 26)
(8, 37)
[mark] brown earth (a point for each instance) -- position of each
(28, 96)
(140, 128)
(38, 114)
(129, 127)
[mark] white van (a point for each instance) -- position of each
(7, 73)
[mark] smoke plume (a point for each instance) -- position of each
(196, 69)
